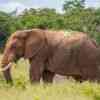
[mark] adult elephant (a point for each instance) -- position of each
(50, 53)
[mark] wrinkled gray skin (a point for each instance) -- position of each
(50, 53)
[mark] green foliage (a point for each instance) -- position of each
(71, 5)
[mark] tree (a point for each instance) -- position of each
(71, 5)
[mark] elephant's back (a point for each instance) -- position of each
(54, 37)
(75, 38)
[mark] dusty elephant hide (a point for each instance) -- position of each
(77, 56)
(51, 52)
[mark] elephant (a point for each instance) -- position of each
(51, 52)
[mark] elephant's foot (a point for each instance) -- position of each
(34, 76)
(8, 77)
(34, 80)
(47, 76)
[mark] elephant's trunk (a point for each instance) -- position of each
(6, 66)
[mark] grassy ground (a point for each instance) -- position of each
(67, 90)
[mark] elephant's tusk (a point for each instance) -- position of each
(6, 67)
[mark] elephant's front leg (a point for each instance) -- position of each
(7, 76)
(35, 71)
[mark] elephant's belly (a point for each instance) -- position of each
(85, 68)
(86, 72)
(67, 71)
(63, 67)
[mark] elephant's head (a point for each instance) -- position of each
(21, 44)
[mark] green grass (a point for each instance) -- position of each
(67, 90)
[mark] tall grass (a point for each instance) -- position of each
(66, 90)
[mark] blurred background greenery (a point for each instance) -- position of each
(75, 17)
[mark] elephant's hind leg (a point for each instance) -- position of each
(48, 76)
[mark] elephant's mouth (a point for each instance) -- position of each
(15, 60)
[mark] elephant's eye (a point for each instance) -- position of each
(13, 46)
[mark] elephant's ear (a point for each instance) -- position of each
(34, 44)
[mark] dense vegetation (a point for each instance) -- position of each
(75, 16)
